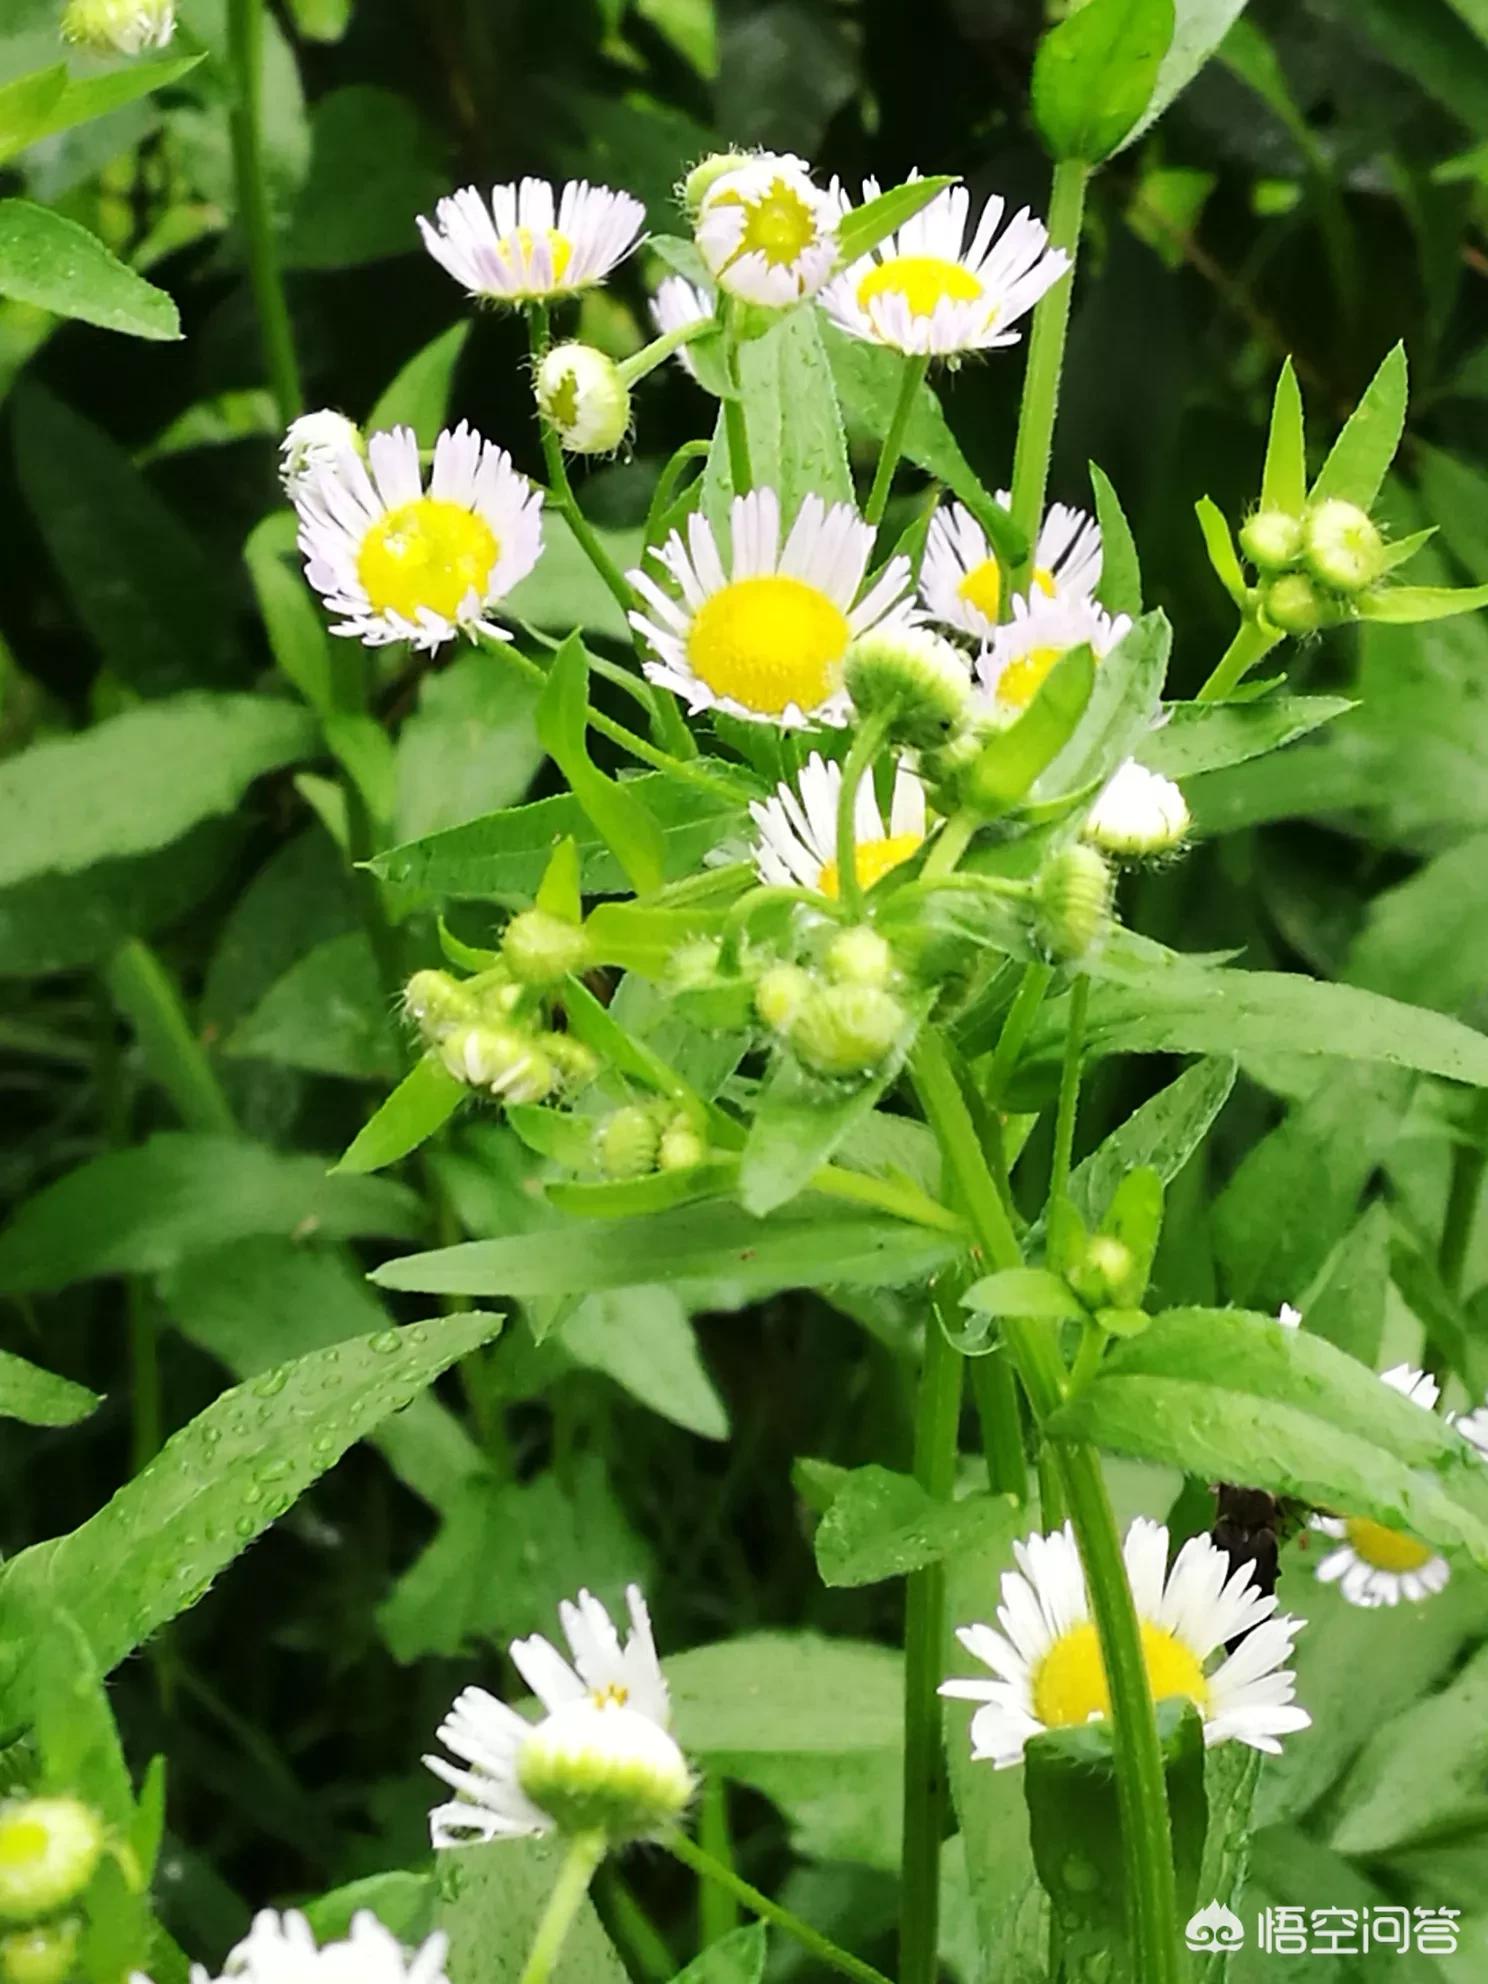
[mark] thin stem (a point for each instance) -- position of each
(1250, 645)
(143, 991)
(660, 349)
(899, 1197)
(736, 433)
(631, 1928)
(910, 382)
(666, 483)
(994, 1387)
(1015, 1030)
(1069, 1091)
(949, 845)
(1469, 1162)
(937, 1418)
(718, 1911)
(1045, 362)
(821, 1947)
(585, 1852)
(866, 746)
(245, 44)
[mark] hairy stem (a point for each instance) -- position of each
(820, 1946)
(245, 25)
(1040, 405)
(866, 745)
(1250, 645)
(910, 382)
(585, 1852)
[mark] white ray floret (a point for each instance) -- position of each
(1289, 1316)
(1473, 1426)
(400, 562)
(281, 1949)
(1373, 1564)
(1046, 1657)
(603, 1740)
(1137, 812)
(1022, 651)
(761, 630)
(676, 306)
(937, 286)
(768, 232)
(797, 825)
(528, 240)
(961, 581)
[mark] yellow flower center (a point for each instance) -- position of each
(1385, 1549)
(1069, 1685)
(21, 1842)
(768, 643)
(428, 554)
(515, 249)
(982, 587)
(1022, 679)
(875, 859)
(614, 1694)
(922, 280)
(780, 224)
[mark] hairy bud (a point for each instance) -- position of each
(1294, 604)
(627, 1142)
(1271, 540)
(539, 949)
(1074, 903)
(912, 677)
(49, 1851)
(1344, 550)
(841, 1030)
(582, 397)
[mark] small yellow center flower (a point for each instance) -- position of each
(1386, 1549)
(780, 225)
(427, 553)
(875, 859)
(922, 280)
(982, 587)
(515, 249)
(614, 1694)
(768, 643)
(1070, 1685)
(1022, 679)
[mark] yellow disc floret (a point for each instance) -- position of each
(1386, 1549)
(426, 554)
(924, 281)
(515, 249)
(1022, 679)
(982, 589)
(780, 225)
(1070, 1685)
(875, 859)
(768, 643)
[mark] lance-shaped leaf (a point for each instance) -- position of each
(50, 100)
(40, 1398)
(1123, 705)
(1284, 479)
(1120, 588)
(1220, 545)
(631, 833)
(1012, 759)
(1095, 73)
(884, 1525)
(422, 1103)
(1403, 606)
(1361, 456)
(50, 262)
(1205, 737)
(1030, 1292)
(864, 227)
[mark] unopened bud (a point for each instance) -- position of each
(509, 1064)
(606, 1768)
(681, 1146)
(49, 1851)
(437, 1003)
(577, 1065)
(1074, 903)
(1294, 604)
(628, 1141)
(912, 677)
(706, 173)
(314, 442)
(859, 957)
(582, 397)
(842, 1030)
(1344, 549)
(44, 1955)
(1271, 540)
(1139, 812)
(694, 965)
(779, 994)
(539, 949)
(119, 27)
(1102, 1279)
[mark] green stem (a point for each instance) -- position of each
(1250, 645)
(896, 1196)
(660, 349)
(866, 745)
(736, 432)
(245, 46)
(718, 1912)
(1069, 1091)
(632, 1930)
(937, 1419)
(949, 845)
(141, 988)
(666, 483)
(995, 1390)
(1016, 1029)
(1045, 362)
(821, 1947)
(1469, 1162)
(585, 1852)
(910, 382)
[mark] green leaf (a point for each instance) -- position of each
(419, 395)
(1120, 588)
(1230, 1396)
(1134, 1217)
(135, 1211)
(1163, 1134)
(1416, 1773)
(1200, 26)
(41, 105)
(1405, 605)
(1220, 545)
(638, 938)
(1348, 1304)
(421, 1104)
(625, 1198)
(298, 638)
(787, 1694)
(1024, 1292)
(154, 1550)
(402, 1902)
(1095, 73)
(374, 165)
(491, 1907)
(738, 1958)
(1011, 760)
(52, 263)
(883, 1525)
(73, 1728)
(25, 102)
(563, 591)
(632, 834)
(1123, 705)
(643, 1340)
(38, 1398)
(863, 228)
(1205, 737)
(1284, 478)
(720, 1249)
(796, 443)
(1361, 456)
(627, 1053)
(327, 1015)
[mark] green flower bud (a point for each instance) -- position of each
(912, 677)
(859, 957)
(577, 1064)
(1138, 812)
(119, 27)
(509, 1064)
(682, 1146)
(49, 1849)
(1073, 903)
(779, 993)
(603, 1767)
(842, 1030)
(1294, 604)
(437, 1003)
(1344, 549)
(694, 965)
(539, 949)
(628, 1141)
(582, 397)
(44, 1955)
(1101, 1279)
(1271, 540)
(705, 175)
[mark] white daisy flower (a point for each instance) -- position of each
(281, 1949)
(1374, 1565)
(524, 243)
(928, 289)
(315, 441)
(119, 27)
(1047, 1656)
(1137, 812)
(961, 580)
(403, 564)
(1014, 666)
(767, 232)
(601, 1758)
(677, 304)
(765, 637)
(798, 829)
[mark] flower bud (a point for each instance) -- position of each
(1344, 550)
(539, 949)
(682, 1145)
(313, 442)
(582, 397)
(859, 957)
(1138, 812)
(577, 1065)
(1294, 604)
(694, 965)
(779, 993)
(603, 1767)
(1074, 903)
(1102, 1278)
(628, 1141)
(704, 175)
(913, 678)
(49, 1849)
(119, 27)
(43, 1955)
(509, 1064)
(841, 1030)
(1271, 540)
(437, 1003)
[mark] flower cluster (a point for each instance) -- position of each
(491, 1032)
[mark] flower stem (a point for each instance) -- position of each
(910, 382)
(718, 1910)
(141, 988)
(735, 429)
(866, 746)
(1016, 1029)
(1040, 404)
(585, 1852)
(1469, 1162)
(937, 1419)
(1250, 645)
(821, 1947)
(245, 43)
(1069, 1091)
(660, 350)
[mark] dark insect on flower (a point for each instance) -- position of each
(1251, 1528)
